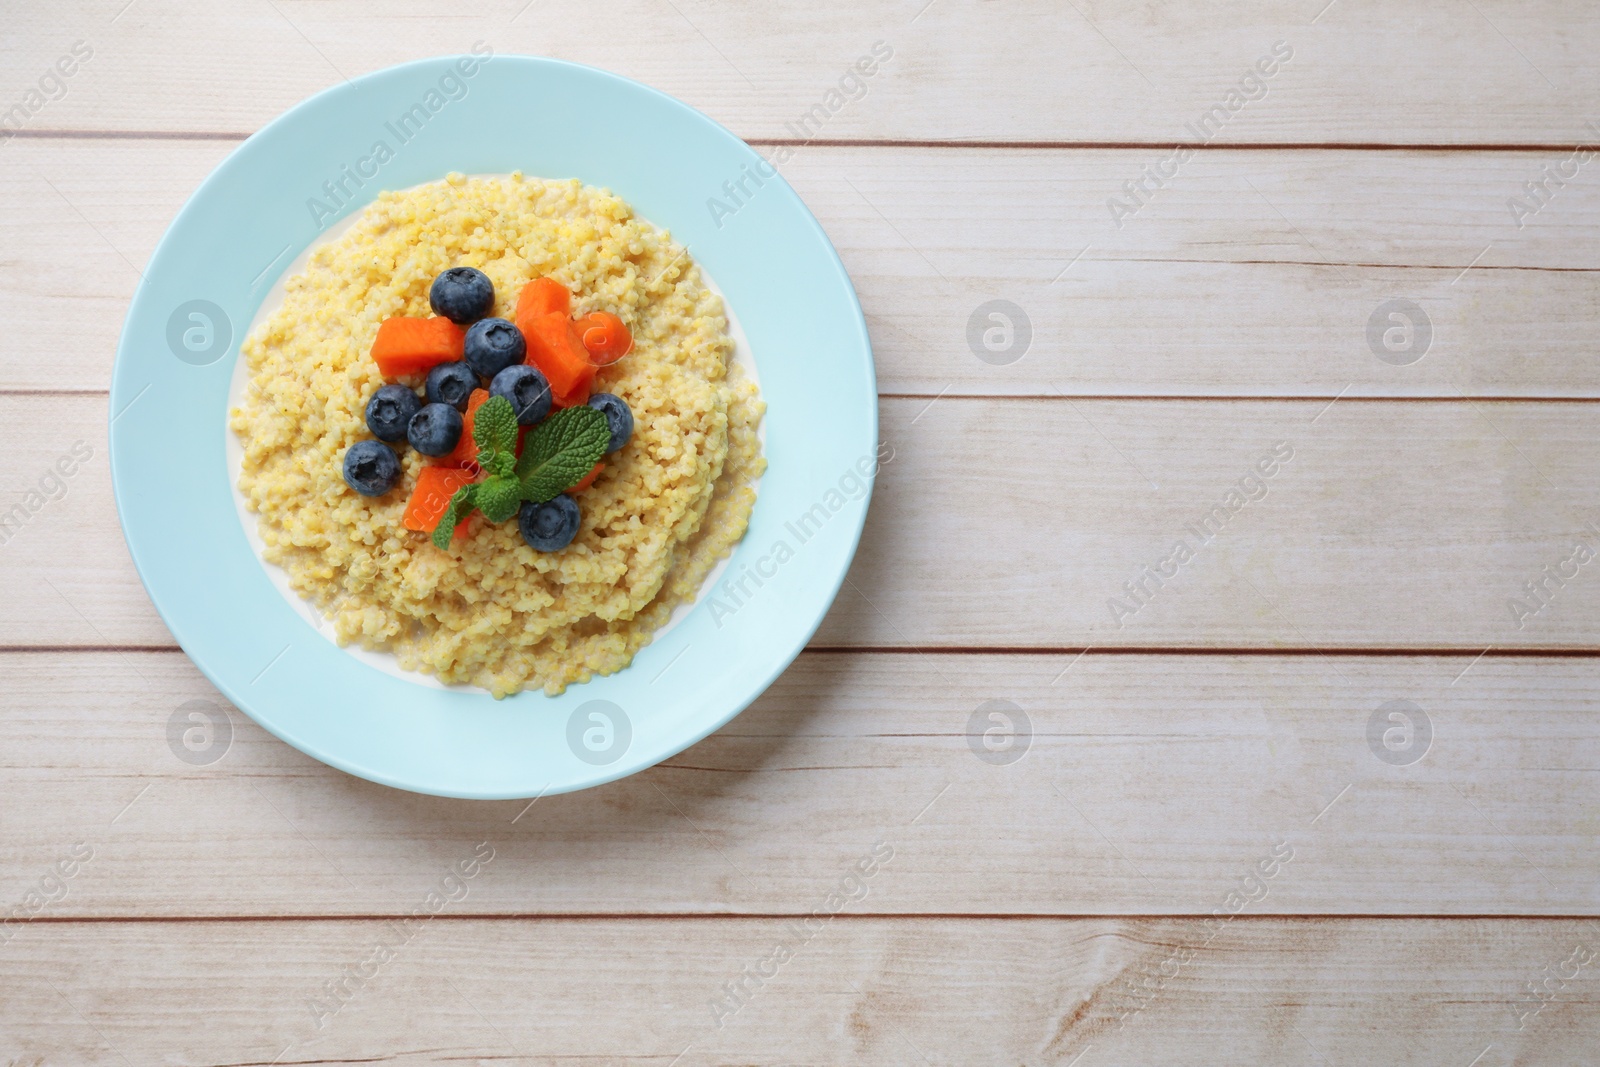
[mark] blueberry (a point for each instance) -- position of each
(450, 383)
(551, 526)
(390, 408)
(527, 390)
(462, 295)
(435, 430)
(493, 345)
(371, 468)
(618, 418)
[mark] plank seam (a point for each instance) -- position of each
(58, 133)
(1297, 398)
(1571, 652)
(1456, 398)
(867, 916)
(1163, 146)
(1574, 652)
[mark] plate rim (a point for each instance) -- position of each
(355, 765)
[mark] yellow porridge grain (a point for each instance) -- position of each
(491, 611)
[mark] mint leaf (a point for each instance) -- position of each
(460, 507)
(560, 451)
(494, 428)
(499, 497)
(491, 463)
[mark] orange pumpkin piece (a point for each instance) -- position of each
(579, 394)
(541, 297)
(435, 487)
(412, 346)
(557, 350)
(604, 337)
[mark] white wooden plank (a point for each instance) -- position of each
(1393, 525)
(1152, 784)
(1296, 993)
(1251, 274)
(1110, 70)
(1017, 523)
(1144, 785)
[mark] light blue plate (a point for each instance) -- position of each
(253, 216)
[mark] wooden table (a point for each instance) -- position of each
(1341, 349)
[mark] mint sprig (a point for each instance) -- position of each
(560, 451)
(459, 508)
(499, 497)
(557, 454)
(494, 425)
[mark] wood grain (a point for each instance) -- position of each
(1143, 785)
(1364, 539)
(1394, 525)
(1042, 911)
(1250, 274)
(1297, 994)
(1107, 70)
